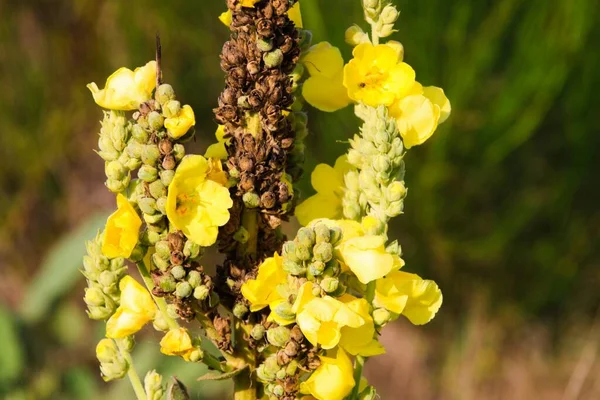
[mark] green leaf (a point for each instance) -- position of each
(221, 377)
(60, 270)
(11, 356)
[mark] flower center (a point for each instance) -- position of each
(374, 78)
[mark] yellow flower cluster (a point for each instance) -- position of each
(343, 323)
(136, 310)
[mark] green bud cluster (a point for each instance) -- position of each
(153, 386)
(385, 23)
(112, 144)
(112, 363)
(376, 187)
(103, 276)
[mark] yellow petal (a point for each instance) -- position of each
(436, 96)
(176, 342)
(333, 380)
(323, 60)
(262, 291)
(326, 94)
(418, 119)
(305, 295)
(126, 89)
(181, 124)
(325, 179)
(366, 257)
(309, 326)
(319, 206)
(122, 230)
(226, 17)
(295, 15)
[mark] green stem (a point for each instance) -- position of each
(250, 223)
(134, 378)
(243, 387)
(160, 302)
(374, 35)
(358, 368)
(370, 294)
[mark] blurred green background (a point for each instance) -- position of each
(502, 209)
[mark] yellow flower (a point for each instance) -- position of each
(137, 308)
(324, 89)
(122, 230)
(177, 342)
(375, 76)
(321, 319)
(218, 149)
(419, 113)
(215, 171)
(328, 182)
(126, 89)
(366, 257)
(181, 123)
(262, 291)
(294, 13)
(333, 380)
(197, 205)
(410, 295)
(360, 341)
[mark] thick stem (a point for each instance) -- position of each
(160, 302)
(134, 378)
(243, 387)
(358, 368)
(250, 223)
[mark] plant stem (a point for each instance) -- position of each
(160, 302)
(250, 223)
(374, 35)
(358, 368)
(243, 387)
(370, 294)
(134, 378)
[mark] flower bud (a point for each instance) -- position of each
(165, 93)
(273, 59)
(160, 323)
(94, 297)
(183, 290)
(303, 253)
(178, 151)
(115, 170)
(166, 177)
(258, 332)
(373, 226)
(381, 316)
(157, 189)
(322, 233)
(332, 268)
(159, 262)
(171, 108)
(394, 209)
(148, 173)
(289, 251)
(294, 268)
(153, 386)
(106, 351)
(150, 154)
(316, 268)
(278, 336)
(139, 134)
(241, 235)
(329, 285)
(155, 120)
(112, 364)
(277, 390)
(306, 237)
(265, 374)
(398, 48)
(178, 272)
(162, 249)
(264, 44)
(395, 191)
(305, 38)
(251, 200)
(201, 293)
(323, 251)
(167, 283)
(161, 204)
(355, 36)
(284, 311)
(389, 15)
(194, 278)
(108, 279)
(191, 249)
(240, 310)
(394, 248)
(147, 205)
(335, 235)
(196, 355)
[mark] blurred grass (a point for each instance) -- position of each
(503, 201)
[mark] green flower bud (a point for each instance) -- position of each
(191, 249)
(240, 310)
(289, 251)
(167, 283)
(373, 225)
(291, 368)
(264, 44)
(165, 93)
(355, 36)
(389, 15)
(150, 154)
(332, 268)
(157, 189)
(277, 390)
(175, 389)
(322, 233)
(112, 364)
(278, 336)
(284, 310)
(306, 237)
(151, 236)
(171, 108)
(152, 219)
(160, 262)
(133, 163)
(258, 332)
(166, 176)
(273, 59)
(148, 173)
(335, 235)
(381, 316)
(108, 279)
(395, 191)
(115, 170)
(194, 278)
(251, 199)
(241, 235)
(394, 209)
(329, 285)
(117, 186)
(162, 249)
(153, 386)
(394, 248)
(303, 253)
(178, 151)
(323, 251)
(201, 293)
(147, 205)
(161, 204)
(94, 297)
(293, 267)
(316, 268)
(304, 39)
(160, 323)
(155, 120)
(106, 146)
(196, 355)
(183, 290)
(139, 134)
(178, 272)
(265, 374)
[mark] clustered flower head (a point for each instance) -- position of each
(291, 318)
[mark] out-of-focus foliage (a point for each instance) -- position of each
(502, 204)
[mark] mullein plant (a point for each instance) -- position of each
(292, 318)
